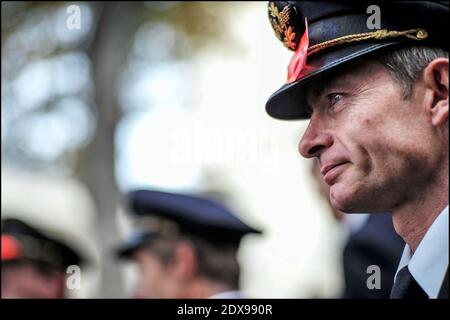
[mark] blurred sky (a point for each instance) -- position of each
(201, 125)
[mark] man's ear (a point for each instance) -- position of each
(436, 79)
(185, 260)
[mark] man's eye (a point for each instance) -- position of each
(334, 97)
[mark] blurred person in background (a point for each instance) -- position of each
(371, 240)
(376, 96)
(184, 246)
(34, 265)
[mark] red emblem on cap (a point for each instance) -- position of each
(298, 60)
(10, 248)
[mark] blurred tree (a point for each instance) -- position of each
(59, 87)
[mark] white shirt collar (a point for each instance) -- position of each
(429, 263)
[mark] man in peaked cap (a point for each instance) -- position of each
(185, 246)
(33, 264)
(372, 78)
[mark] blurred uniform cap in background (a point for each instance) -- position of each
(160, 213)
(22, 241)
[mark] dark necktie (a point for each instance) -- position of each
(406, 287)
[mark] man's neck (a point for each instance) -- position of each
(413, 219)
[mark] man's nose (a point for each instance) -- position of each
(315, 139)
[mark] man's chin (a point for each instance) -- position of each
(343, 198)
(353, 200)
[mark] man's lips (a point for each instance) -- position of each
(330, 172)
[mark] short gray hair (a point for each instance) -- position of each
(407, 63)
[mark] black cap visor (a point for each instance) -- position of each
(288, 103)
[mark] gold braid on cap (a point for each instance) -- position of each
(415, 34)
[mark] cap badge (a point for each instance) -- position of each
(286, 24)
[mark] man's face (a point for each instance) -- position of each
(375, 148)
(155, 279)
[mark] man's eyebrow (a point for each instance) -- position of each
(331, 82)
(317, 91)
